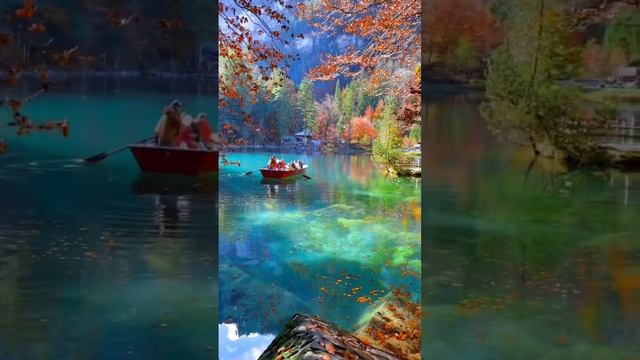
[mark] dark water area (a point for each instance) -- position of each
(311, 246)
(83, 84)
(544, 266)
(101, 262)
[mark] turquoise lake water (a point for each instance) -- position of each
(544, 266)
(303, 246)
(100, 262)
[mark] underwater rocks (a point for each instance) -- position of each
(308, 338)
(394, 326)
(255, 304)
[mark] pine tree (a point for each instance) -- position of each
(306, 103)
(347, 110)
(282, 102)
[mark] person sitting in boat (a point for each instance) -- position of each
(170, 125)
(273, 163)
(204, 131)
(282, 165)
(188, 138)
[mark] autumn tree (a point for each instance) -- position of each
(327, 120)
(390, 30)
(458, 30)
(363, 130)
(255, 36)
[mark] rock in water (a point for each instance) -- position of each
(394, 326)
(308, 338)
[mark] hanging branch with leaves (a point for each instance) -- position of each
(389, 30)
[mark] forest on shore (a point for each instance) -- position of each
(542, 65)
(347, 73)
(461, 35)
(112, 35)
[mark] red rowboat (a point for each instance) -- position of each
(281, 174)
(161, 159)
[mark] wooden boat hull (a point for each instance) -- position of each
(157, 159)
(282, 174)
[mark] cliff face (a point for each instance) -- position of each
(308, 338)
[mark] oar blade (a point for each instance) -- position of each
(96, 158)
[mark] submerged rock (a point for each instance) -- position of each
(394, 326)
(308, 338)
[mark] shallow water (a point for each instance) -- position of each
(544, 266)
(311, 246)
(99, 262)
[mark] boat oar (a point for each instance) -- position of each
(103, 155)
(306, 177)
(250, 172)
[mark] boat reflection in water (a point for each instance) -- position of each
(276, 185)
(206, 185)
(173, 197)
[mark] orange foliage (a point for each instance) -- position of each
(27, 11)
(450, 21)
(252, 35)
(390, 28)
(363, 130)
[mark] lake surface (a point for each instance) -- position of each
(311, 246)
(544, 266)
(99, 262)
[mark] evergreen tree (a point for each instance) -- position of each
(306, 103)
(282, 93)
(386, 145)
(347, 110)
(337, 101)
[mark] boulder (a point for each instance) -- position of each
(308, 338)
